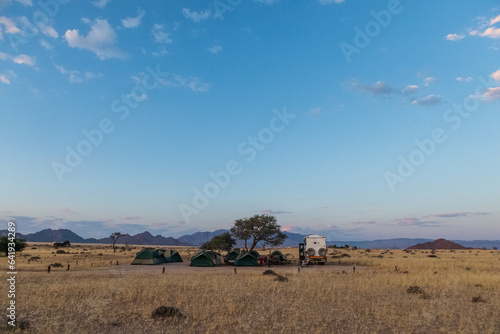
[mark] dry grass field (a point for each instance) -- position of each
(458, 292)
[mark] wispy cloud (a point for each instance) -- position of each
(315, 111)
(273, 212)
(196, 16)
(326, 2)
(101, 3)
(415, 221)
(455, 37)
(410, 89)
(215, 49)
(491, 94)
(468, 79)
(458, 214)
(75, 76)
(172, 80)
(8, 26)
(133, 22)
(160, 35)
(100, 40)
(496, 75)
(429, 100)
(378, 88)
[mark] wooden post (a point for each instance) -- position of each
(48, 270)
(235, 271)
(353, 270)
(299, 270)
(68, 267)
(163, 270)
(396, 268)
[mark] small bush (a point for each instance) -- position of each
(167, 312)
(56, 265)
(60, 251)
(478, 299)
(269, 272)
(415, 289)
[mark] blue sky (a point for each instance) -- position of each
(351, 120)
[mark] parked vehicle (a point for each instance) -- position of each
(313, 250)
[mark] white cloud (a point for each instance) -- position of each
(101, 3)
(379, 88)
(132, 22)
(75, 76)
(49, 31)
(489, 95)
(5, 77)
(325, 2)
(267, 2)
(160, 53)
(100, 40)
(26, 2)
(315, 111)
(495, 20)
(24, 59)
(429, 100)
(4, 56)
(196, 16)
(160, 35)
(496, 75)
(491, 32)
(429, 80)
(454, 37)
(215, 49)
(410, 89)
(46, 45)
(9, 26)
(468, 79)
(173, 80)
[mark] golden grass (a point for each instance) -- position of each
(89, 300)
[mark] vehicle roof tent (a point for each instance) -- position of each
(148, 256)
(246, 260)
(277, 255)
(202, 259)
(171, 255)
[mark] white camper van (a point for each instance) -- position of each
(313, 250)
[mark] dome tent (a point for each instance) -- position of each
(202, 259)
(171, 255)
(148, 256)
(246, 260)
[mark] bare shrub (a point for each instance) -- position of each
(167, 312)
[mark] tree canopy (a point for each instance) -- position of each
(258, 228)
(19, 244)
(114, 238)
(223, 242)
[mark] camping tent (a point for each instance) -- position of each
(172, 255)
(255, 254)
(216, 256)
(202, 259)
(231, 256)
(148, 256)
(277, 257)
(246, 259)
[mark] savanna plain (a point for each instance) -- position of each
(357, 291)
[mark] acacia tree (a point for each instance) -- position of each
(19, 244)
(114, 238)
(223, 242)
(258, 228)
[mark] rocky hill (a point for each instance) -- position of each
(438, 244)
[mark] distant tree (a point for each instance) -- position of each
(114, 237)
(258, 228)
(19, 244)
(495, 248)
(223, 242)
(66, 243)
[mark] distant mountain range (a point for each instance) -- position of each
(198, 238)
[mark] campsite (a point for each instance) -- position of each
(102, 292)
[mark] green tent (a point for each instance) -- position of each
(202, 259)
(255, 254)
(172, 255)
(277, 257)
(216, 256)
(245, 260)
(148, 256)
(231, 256)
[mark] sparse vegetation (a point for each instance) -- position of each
(94, 298)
